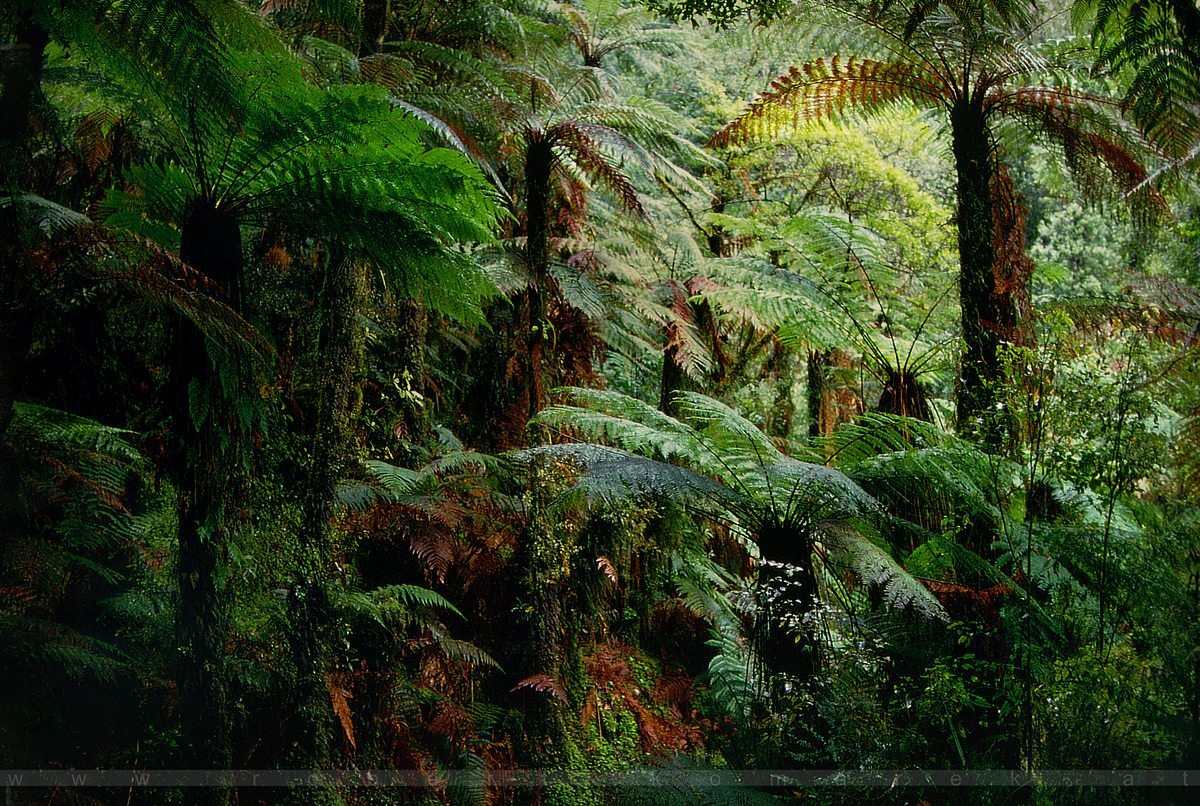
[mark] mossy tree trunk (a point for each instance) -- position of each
(549, 657)
(411, 325)
(339, 347)
(778, 369)
(787, 592)
(674, 379)
(376, 15)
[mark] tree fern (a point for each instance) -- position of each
(65, 525)
(849, 549)
(973, 63)
(379, 191)
(781, 506)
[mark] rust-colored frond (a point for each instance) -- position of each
(616, 686)
(544, 684)
(1012, 267)
(581, 144)
(828, 88)
(1098, 152)
(436, 550)
(338, 697)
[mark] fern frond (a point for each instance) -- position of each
(846, 547)
(464, 652)
(615, 476)
(827, 89)
(397, 601)
(731, 678)
(624, 421)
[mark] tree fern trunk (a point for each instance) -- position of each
(545, 560)
(411, 326)
(22, 73)
(980, 375)
(673, 377)
(539, 161)
(787, 592)
(375, 18)
(16, 339)
(783, 408)
(208, 455)
(814, 389)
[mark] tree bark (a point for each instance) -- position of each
(22, 71)
(376, 15)
(411, 328)
(786, 592)
(673, 376)
(980, 375)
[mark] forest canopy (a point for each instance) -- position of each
(705, 401)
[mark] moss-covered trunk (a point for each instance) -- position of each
(673, 376)
(787, 592)
(550, 658)
(376, 15)
(21, 69)
(315, 724)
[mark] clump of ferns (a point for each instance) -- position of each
(433, 510)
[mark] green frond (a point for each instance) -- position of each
(1152, 40)
(1187, 457)
(579, 291)
(49, 649)
(398, 602)
(440, 63)
(51, 218)
(727, 433)
(357, 496)
(182, 47)
(707, 602)
(877, 434)
(624, 421)
(396, 481)
(847, 548)
(804, 492)
(827, 89)
(331, 63)
(731, 677)
(458, 461)
(613, 476)
(53, 427)
(463, 651)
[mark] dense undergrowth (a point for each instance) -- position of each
(400, 386)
